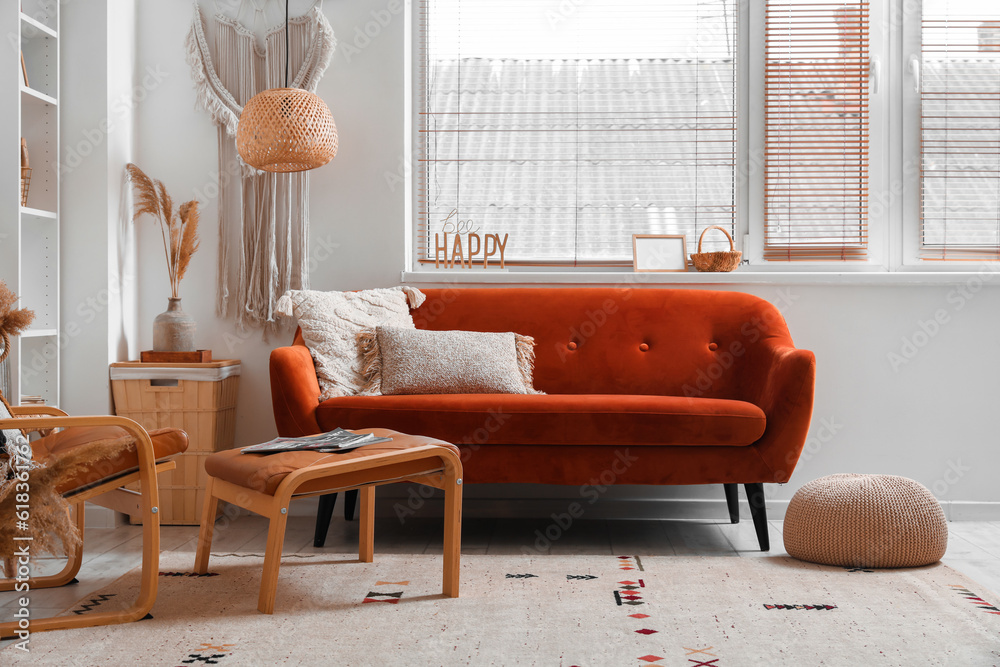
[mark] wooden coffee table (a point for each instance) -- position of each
(266, 483)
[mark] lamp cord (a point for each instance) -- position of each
(286, 43)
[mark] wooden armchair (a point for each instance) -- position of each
(101, 485)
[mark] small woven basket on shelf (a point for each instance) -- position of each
(722, 261)
(25, 182)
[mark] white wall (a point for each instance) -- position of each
(97, 130)
(122, 93)
(921, 421)
(351, 210)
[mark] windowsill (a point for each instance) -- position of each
(742, 276)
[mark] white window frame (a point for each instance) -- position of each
(906, 167)
(877, 168)
(894, 190)
(906, 31)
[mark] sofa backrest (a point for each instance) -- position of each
(619, 340)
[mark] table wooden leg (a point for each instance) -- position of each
(207, 529)
(452, 533)
(272, 559)
(366, 527)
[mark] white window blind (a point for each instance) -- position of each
(816, 130)
(960, 130)
(573, 126)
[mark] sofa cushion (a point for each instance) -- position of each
(555, 419)
(331, 321)
(413, 361)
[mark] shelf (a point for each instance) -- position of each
(38, 333)
(30, 263)
(45, 30)
(37, 212)
(32, 96)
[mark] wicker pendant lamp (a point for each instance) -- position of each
(286, 129)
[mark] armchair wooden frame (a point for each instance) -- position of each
(107, 493)
(439, 467)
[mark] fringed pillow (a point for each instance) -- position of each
(415, 361)
(331, 321)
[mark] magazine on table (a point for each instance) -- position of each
(337, 440)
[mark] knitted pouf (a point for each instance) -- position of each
(865, 521)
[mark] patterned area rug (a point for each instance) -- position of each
(547, 610)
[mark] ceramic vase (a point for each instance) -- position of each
(173, 330)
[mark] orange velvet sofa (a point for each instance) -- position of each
(642, 386)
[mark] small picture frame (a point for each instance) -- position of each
(659, 253)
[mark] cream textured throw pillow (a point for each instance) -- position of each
(414, 361)
(331, 321)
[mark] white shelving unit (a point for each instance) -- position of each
(29, 235)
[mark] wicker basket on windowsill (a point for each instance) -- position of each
(721, 261)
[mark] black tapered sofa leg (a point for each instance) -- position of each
(755, 496)
(733, 501)
(350, 503)
(323, 516)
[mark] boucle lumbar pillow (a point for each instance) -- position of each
(331, 321)
(413, 361)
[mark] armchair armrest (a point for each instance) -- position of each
(54, 418)
(784, 380)
(27, 410)
(294, 391)
(36, 410)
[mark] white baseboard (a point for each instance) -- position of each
(695, 509)
(964, 510)
(95, 516)
(605, 508)
(692, 509)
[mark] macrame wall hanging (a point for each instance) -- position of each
(263, 217)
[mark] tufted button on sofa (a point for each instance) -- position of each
(692, 386)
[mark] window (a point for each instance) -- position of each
(570, 125)
(816, 130)
(959, 80)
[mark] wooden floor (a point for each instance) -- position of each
(973, 547)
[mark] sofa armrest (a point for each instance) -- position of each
(783, 386)
(294, 391)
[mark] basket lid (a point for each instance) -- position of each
(208, 372)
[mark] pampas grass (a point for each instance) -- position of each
(13, 320)
(179, 227)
